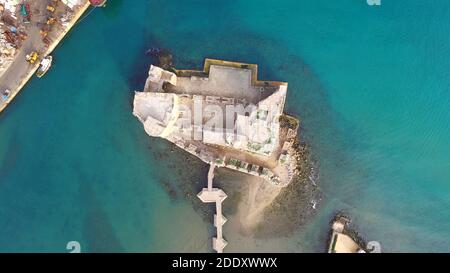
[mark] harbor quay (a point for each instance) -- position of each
(30, 31)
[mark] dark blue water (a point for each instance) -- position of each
(370, 84)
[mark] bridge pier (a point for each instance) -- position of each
(215, 195)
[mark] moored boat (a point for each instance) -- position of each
(45, 65)
(98, 3)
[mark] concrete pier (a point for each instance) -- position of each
(210, 195)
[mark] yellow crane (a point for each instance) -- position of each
(32, 57)
(51, 20)
(51, 8)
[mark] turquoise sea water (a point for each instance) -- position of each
(371, 85)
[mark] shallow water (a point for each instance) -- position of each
(370, 84)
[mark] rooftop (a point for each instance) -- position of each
(222, 112)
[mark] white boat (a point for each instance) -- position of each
(44, 66)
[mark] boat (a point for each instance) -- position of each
(45, 65)
(98, 3)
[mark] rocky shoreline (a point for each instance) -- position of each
(297, 202)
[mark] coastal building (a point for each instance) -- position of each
(340, 242)
(225, 113)
(343, 239)
(227, 118)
